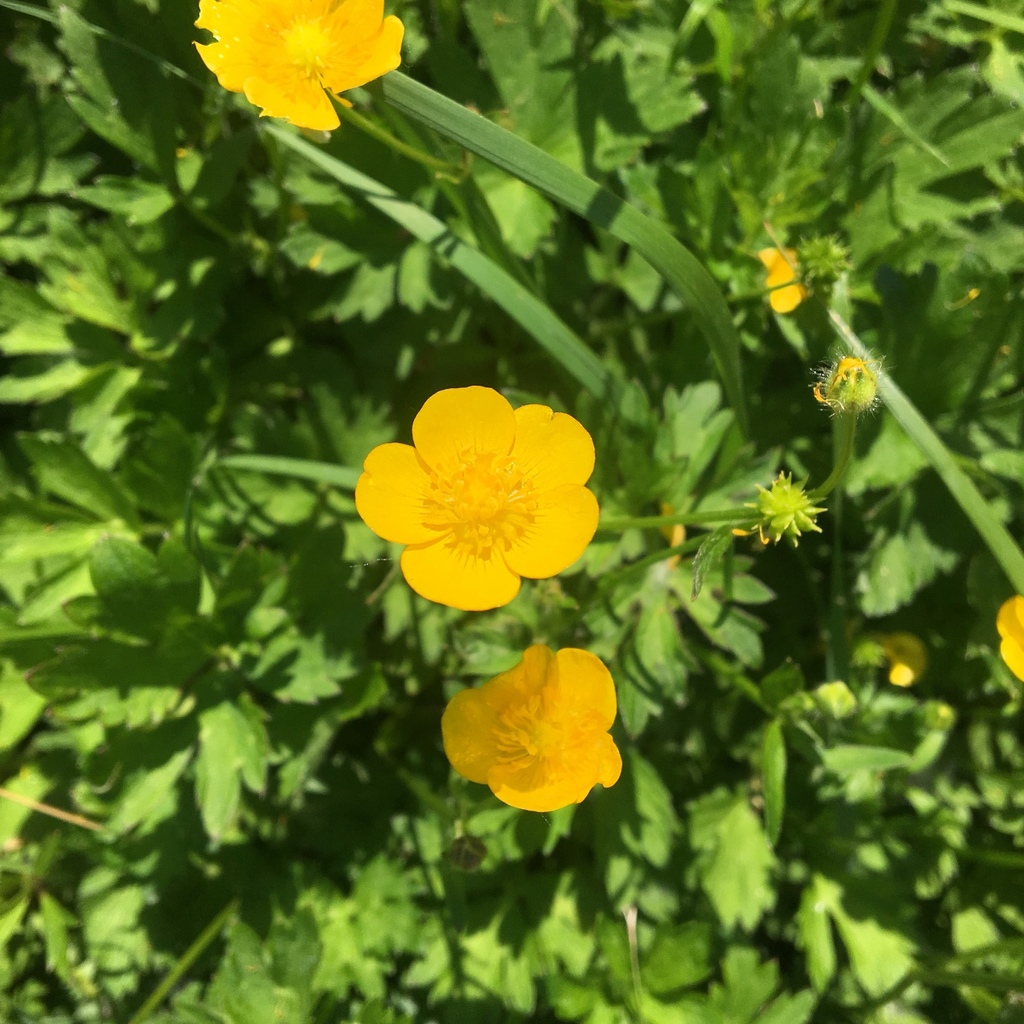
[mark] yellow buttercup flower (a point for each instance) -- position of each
(537, 734)
(907, 657)
(485, 495)
(283, 54)
(780, 266)
(1010, 623)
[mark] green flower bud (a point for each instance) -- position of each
(785, 510)
(939, 716)
(851, 385)
(836, 699)
(823, 260)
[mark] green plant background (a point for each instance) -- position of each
(206, 322)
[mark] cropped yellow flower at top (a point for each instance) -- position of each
(487, 495)
(537, 734)
(1010, 623)
(283, 54)
(779, 264)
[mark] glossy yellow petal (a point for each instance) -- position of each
(469, 731)
(561, 526)
(508, 787)
(302, 102)
(586, 685)
(536, 669)
(450, 575)
(1010, 620)
(458, 423)
(381, 55)
(609, 761)
(1013, 654)
(551, 448)
(780, 267)
(391, 495)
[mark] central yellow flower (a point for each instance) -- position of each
(283, 54)
(1010, 623)
(537, 734)
(487, 495)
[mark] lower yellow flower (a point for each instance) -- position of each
(780, 263)
(487, 495)
(283, 54)
(1010, 623)
(907, 657)
(537, 734)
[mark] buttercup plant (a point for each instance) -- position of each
(287, 55)
(485, 495)
(537, 735)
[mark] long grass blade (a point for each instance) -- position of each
(960, 485)
(537, 319)
(677, 265)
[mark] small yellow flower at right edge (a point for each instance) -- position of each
(784, 296)
(284, 54)
(485, 495)
(537, 735)
(1010, 623)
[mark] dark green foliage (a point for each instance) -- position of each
(217, 663)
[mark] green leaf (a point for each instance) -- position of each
(63, 469)
(735, 861)
(709, 554)
(55, 933)
(223, 737)
(680, 956)
(146, 792)
(773, 773)
(815, 936)
(845, 759)
(673, 261)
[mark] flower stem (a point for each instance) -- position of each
(374, 130)
(847, 432)
(718, 515)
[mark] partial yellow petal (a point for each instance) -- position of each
(535, 670)
(610, 761)
(390, 495)
(586, 685)
(457, 423)
(452, 576)
(780, 272)
(562, 525)
(1010, 620)
(506, 786)
(469, 732)
(1013, 654)
(785, 300)
(304, 103)
(551, 448)
(382, 54)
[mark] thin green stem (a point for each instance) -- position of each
(382, 135)
(718, 515)
(846, 433)
(209, 933)
(991, 530)
(879, 34)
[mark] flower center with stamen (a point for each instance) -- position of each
(483, 502)
(307, 46)
(529, 735)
